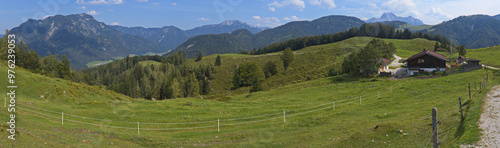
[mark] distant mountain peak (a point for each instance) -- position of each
(234, 22)
(388, 16)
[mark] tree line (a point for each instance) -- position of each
(370, 30)
(52, 65)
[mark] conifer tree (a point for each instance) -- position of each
(217, 61)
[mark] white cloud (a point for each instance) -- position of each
(272, 9)
(330, 4)
(46, 16)
(266, 21)
(296, 4)
(82, 7)
(406, 7)
(293, 18)
(99, 2)
(203, 19)
(115, 23)
(173, 4)
(373, 5)
(141, 0)
(439, 13)
(93, 12)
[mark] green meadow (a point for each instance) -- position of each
(300, 108)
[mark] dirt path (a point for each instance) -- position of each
(490, 67)
(490, 120)
(398, 73)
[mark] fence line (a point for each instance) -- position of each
(351, 100)
(452, 110)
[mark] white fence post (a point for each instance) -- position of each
(359, 100)
(62, 118)
(218, 130)
(333, 105)
(284, 116)
(138, 128)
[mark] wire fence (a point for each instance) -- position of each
(202, 124)
(456, 109)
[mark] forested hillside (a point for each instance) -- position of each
(171, 36)
(475, 31)
(238, 43)
(81, 38)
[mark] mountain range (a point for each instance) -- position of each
(241, 40)
(171, 36)
(474, 31)
(387, 17)
(82, 38)
(497, 16)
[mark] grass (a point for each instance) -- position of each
(375, 123)
(97, 63)
(311, 62)
(489, 56)
(149, 62)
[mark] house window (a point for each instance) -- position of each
(420, 60)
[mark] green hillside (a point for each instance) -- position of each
(489, 56)
(97, 117)
(310, 63)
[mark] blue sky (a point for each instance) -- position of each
(187, 14)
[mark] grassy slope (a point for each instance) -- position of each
(313, 62)
(407, 109)
(489, 56)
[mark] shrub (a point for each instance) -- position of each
(333, 72)
(246, 75)
(270, 69)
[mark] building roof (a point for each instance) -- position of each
(428, 52)
(385, 61)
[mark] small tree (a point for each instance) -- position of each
(270, 69)
(436, 47)
(217, 61)
(246, 75)
(257, 86)
(199, 57)
(462, 50)
(287, 57)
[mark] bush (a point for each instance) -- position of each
(246, 75)
(333, 72)
(270, 69)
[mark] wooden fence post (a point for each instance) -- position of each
(480, 86)
(434, 127)
(475, 87)
(461, 111)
